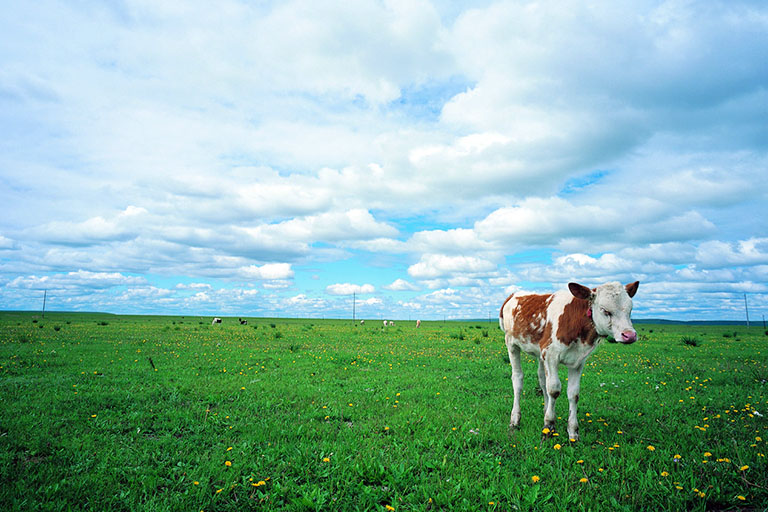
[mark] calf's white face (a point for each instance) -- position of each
(611, 307)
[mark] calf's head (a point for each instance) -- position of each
(610, 308)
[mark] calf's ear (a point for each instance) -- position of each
(632, 288)
(579, 291)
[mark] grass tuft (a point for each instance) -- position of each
(690, 341)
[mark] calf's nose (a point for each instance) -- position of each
(628, 336)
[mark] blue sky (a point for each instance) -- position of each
(431, 157)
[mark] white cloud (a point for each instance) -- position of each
(401, 285)
(268, 271)
(76, 280)
(7, 243)
(715, 254)
(349, 289)
(438, 265)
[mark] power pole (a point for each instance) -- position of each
(746, 308)
(354, 297)
(45, 296)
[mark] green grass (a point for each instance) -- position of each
(143, 413)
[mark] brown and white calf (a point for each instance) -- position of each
(563, 328)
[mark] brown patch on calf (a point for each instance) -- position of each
(575, 323)
(530, 318)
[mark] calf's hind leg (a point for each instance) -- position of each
(517, 383)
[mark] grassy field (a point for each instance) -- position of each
(102, 412)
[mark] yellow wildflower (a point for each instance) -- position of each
(535, 478)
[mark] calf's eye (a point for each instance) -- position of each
(606, 312)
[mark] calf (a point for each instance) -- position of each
(418, 323)
(563, 327)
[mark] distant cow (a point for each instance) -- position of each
(216, 321)
(362, 322)
(242, 322)
(563, 327)
(418, 323)
(386, 323)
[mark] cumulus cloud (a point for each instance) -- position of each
(438, 265)
(7, 243)
(349, 289)
(401, 285)
(76, 280)
(268, 271)
(714, 254)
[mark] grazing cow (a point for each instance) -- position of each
(391, 323)
(216, 321)
(243, 322)
(386, 323)
(563, 327)
(418, 323)
(362, 322)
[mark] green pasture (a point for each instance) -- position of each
(103, 412)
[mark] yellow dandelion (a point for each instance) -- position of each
(545, 431)
(664, 473)
(583, 480)
(707, 454)
(740, 497)
(228, 449)
(744, 468)
(557, 447)
(535, 478)
(228, 463)
(651, 448)
(326, 459)
(195, 483)
(390, 507)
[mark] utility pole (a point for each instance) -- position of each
(45, 296)
(746, 308)
(354, 297)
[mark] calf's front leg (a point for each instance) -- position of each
(574, 386)
(552, 391)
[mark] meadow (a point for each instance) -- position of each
(104, 412)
